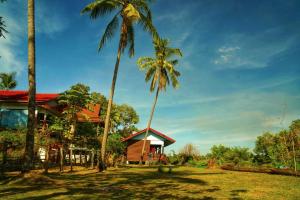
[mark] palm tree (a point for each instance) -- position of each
(7, 81)
(129, 12)
(29, 147)
(159, 70)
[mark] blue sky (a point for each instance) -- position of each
(240, 70)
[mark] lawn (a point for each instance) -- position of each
(147, 183)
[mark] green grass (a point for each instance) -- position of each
(147, 183)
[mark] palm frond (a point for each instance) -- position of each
(172, 52)
(149, 74)
(145, 62)
(143, 8)
(174, 80)
(147, 25)
(109, 31)
(101, 7)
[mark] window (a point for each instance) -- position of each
(13, 118)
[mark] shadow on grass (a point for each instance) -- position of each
(236, 194)
(115, 185)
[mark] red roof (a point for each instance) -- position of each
(88, 115)
(170, 140)
(22, 96)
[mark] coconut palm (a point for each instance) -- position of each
(29, 147)
(7, 81)
(160, 70)
(126, 13)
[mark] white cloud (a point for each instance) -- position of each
(251, 51)
(13, 47)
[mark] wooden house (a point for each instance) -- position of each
(154, 149)
(14, 113)
(14, 109)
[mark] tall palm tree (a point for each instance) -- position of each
(159, 70)
(8, 81)
(129, 12)
(29, 147)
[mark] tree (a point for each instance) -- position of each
(8, 81)
(189, 152)
(159, 70)
(74, 100)
(29, 148)
(218, 152)
(130, 11)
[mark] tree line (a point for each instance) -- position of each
(272, 150)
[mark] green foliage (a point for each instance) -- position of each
(238, 155)
(279, 149)
(161, 68)
(115, 145)
(218, 152)
(7, 80)
(174, 158)
(123, 118)
(234, 155)
(14, 137)
(74, 100)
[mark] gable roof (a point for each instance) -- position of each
(168, 139)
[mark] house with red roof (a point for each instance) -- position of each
(13, 109)
(154, 149)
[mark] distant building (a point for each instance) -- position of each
(154, 149)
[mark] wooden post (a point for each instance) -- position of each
(98, 159)
(80, 159)
(92, 158)
(61, 163)
(71, 158)
(46, 162)
(85, 158)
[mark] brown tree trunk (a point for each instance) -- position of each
(149, 125)
(102, 164)
(29, 148)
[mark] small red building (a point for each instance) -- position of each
(154, 149)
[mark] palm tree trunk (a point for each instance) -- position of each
(29, 148)
(149, 125)
(102, 165)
